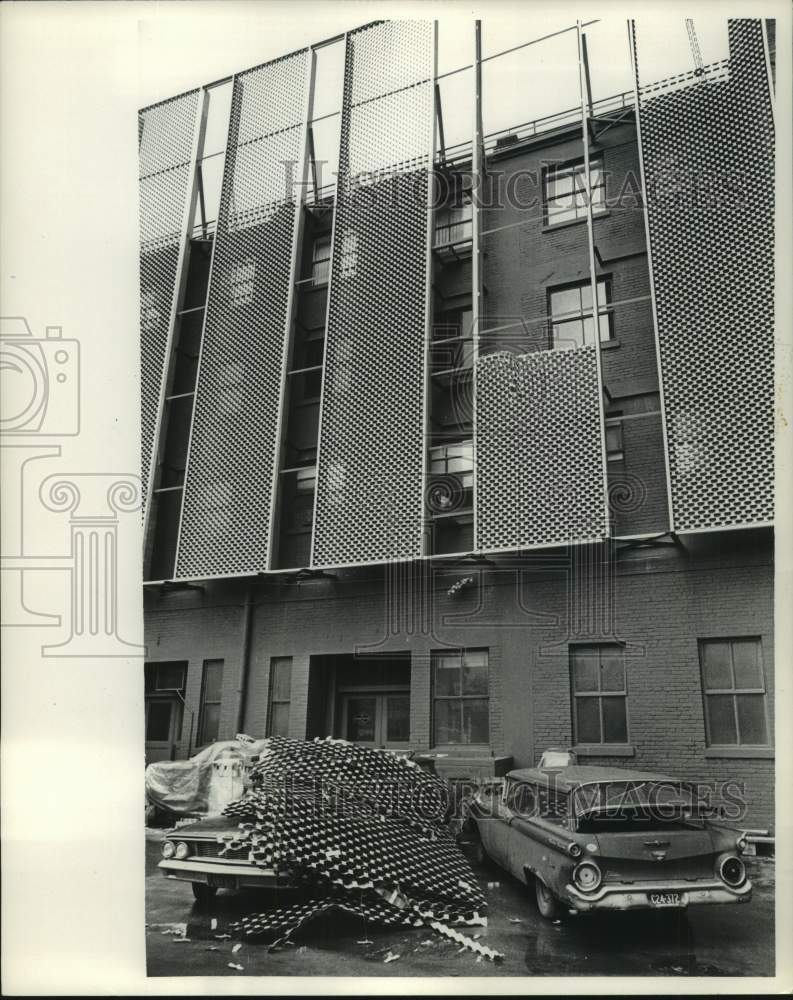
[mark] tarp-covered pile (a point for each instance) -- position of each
(363, 829)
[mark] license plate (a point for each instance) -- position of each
(666, 899)
(222, 881)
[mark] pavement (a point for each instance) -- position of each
(699, 941)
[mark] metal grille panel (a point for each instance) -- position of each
(165, 134)
(233, 448)
(371, 457)
(538, 447)
(709, 163)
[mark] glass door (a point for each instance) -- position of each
(376, 720)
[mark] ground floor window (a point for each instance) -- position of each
(460, 697)
(600, 695)
(211, 696)
(280, 695)
(734, 692)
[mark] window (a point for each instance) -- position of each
(733, 686)
(320, 266)
(564, 191)
(211, 693)
(572, 322)
(614, 449)
(280, 695)
(452, 477)
(461, 697)
(453, 224)
(600, 710)
(348, 262)
(242, 278)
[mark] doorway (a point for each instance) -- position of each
(376, 720)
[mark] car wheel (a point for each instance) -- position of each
(203, 893)
(548, 905)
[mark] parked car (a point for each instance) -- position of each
(208, 855)
(599, 838)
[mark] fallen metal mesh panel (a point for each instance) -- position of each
(371, 451)
(165, 142)
(539, 463)
(233, 447)
(362, 828)
(708, 149)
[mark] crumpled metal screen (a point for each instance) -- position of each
(362, 829)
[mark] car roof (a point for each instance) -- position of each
(567, 778)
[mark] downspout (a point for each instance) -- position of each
(242, 691)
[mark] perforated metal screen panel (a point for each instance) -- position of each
(233, 449)
(371, 455)
(165, 141)
(538, 438)
(708, 152)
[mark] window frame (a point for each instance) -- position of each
(734, 692)
(271, 700)
(460, 218)
(606, 310)
(201, 741)
(573, 168)
(460, 698)
(599, 695)
(615, 454)
(315, 260)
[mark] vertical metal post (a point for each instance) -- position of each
(218, 223)
(586, 101)
(428, 304)
(340, 166)
(297, 240)
(477, 192)
(176, 304)
(664, 429)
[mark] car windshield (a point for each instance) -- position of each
(622, 805)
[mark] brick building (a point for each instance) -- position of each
(404, 484)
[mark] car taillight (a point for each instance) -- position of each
(182, 850)
(732, 870)
(587, 876)
(168, 849)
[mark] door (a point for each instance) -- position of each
(163, 721)
(376, 720)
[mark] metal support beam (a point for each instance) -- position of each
(477, 193)
(586, 104)
(439, 113)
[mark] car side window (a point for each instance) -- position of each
(552, 806)
(521, 798)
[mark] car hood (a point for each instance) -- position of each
(212, 827)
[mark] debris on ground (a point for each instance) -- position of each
(363, 829)
(234, 965)
(213, 924)
(390, 957)
(515, 920)
(178, 930)
(236, 948)
(222, 937)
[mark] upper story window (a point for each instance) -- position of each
(320, 261)
(453, 224)
(564, 191)
(733, 689)
(452, 477)
(572, 320)
(242, 279)
(600, 696)
(615, 451)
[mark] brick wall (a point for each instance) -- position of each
(665, 600)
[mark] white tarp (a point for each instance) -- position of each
(205, 783)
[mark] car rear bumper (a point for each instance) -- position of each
(633, 897)
(229, 876)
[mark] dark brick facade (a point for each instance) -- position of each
(666, 599)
